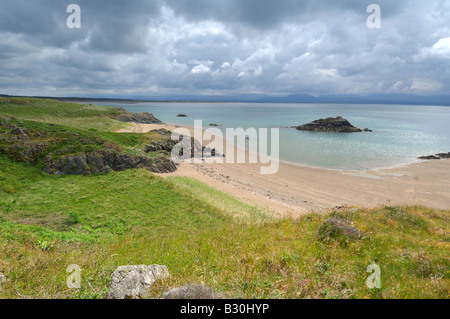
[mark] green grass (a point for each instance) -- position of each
(201, 234)
(82, 116)
(63, 141)
(218, 199)
(134, 217)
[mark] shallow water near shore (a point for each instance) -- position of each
(401, 133)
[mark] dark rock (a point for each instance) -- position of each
(163, 164)
(161, 145)
(192, 291)
(213, 124)
(100, 162)
(435, 157)
(430, 157)
(207, 151)
(444, 155)
(142, 118)
(330, 125)
(19, 131)
(367, 130)
(182, 115)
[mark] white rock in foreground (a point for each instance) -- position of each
(131, 282)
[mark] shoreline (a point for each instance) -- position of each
(298, 189)
(339, 170)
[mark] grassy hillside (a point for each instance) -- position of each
(82, 116)
(65, 150)
(203, 236)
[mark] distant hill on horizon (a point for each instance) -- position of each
(406, 99)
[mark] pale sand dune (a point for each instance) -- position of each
(297, 189)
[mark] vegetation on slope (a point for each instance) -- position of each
(132, 217)
(82, 116)
(66, 150)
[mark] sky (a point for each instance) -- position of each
(224, 47)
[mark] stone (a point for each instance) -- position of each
(435, 157)
(182, 115)
(444, 155)
(161, 145)
(134, 282)
(163, 164)
(192, 291)
(338, 229)
(3, 279)
(430, 157)
(19, 131)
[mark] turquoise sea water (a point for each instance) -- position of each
(401, 133)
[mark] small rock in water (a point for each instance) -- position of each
(330, 125)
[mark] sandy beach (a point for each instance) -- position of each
(298, 189)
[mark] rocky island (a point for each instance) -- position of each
(331, 125)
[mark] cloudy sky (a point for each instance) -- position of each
(230, 47)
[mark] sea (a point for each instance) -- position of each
(400, 133)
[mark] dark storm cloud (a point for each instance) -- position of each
(215, 46)
(111, 26)
(269, 13)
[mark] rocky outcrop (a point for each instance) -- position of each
(100, 162)
(21, 148)
(182, 115)
(330, 125)
(162, 164)
(435, 157)
(19, 131)
(142, 118)
(60, 151)
(133, 282)
(166, 144)
(338, 229)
